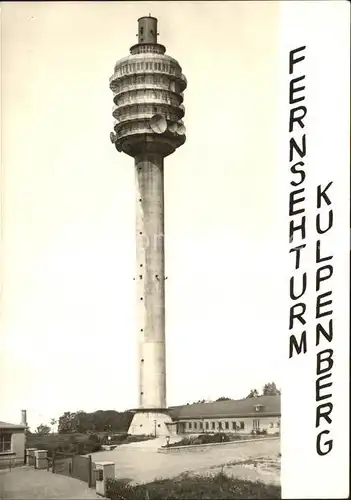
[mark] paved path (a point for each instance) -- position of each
(26, 483)
(140, 462)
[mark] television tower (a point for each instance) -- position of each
(148, 90)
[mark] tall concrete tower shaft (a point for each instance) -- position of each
(148, 90)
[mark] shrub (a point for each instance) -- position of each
(259, 432)
(218, 437)
(187, 487)
(70, 444)
(94, 438)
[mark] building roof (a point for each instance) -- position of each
(6, 425)
(230, 408)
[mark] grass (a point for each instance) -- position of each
(188, 487)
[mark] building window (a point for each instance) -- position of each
(227, 425)
(213, 425)
(207, 425)
(189, 425)
(242, 426)
(195, 425)
(5, 441)
(234, 426)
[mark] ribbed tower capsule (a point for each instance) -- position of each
(148, 88)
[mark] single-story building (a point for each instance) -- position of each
(240, 416)
(12, 443)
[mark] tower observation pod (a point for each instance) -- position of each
(148, 88)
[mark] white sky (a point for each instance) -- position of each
(68, 339)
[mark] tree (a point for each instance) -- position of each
(253, 394)
(223, 398)
(98, 421)
(53, 422)
(42, 430)
(270, 389)
(67, 423)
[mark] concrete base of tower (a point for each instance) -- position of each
(152, 422)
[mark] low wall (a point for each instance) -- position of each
(199, 447)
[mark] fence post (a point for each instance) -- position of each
(90, 472)
(30, 458)
(103, 471)
(41, 459)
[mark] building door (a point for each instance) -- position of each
(181, 428)
(256, 424)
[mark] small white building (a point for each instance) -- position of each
(12, 443)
